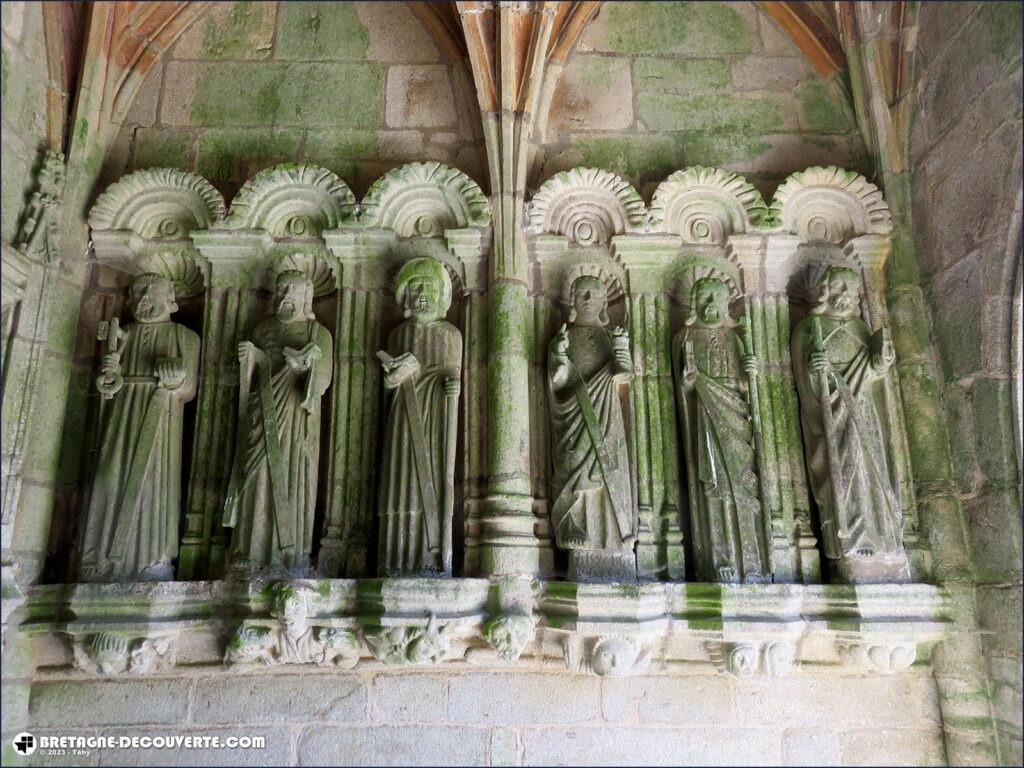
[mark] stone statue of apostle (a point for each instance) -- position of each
(148, 373)
(422, 369)
(593, 512)
(711, 367)
(284, 372)
(839, 364)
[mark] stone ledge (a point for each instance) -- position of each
(606, 629)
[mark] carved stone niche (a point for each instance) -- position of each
(417, 210)
(828, 216)
(142, 223)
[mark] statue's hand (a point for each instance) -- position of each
(405, 367)
(886, 353)
(246, 352)
(818, 362)
(750, 365)
(560, 346)
(452, 387)
(110, 365)
(170, 372)
(689, 369)
(297, 360)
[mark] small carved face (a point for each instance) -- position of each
(294, 616)
(711, 302)
(291, 297)
(614, 657)
(843, 290)
(589, 302)
(151, 299)
(423, 298)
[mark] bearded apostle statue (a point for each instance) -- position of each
(422, 370)
(148, 373)
(712, 370)
(593, 511)
(839, 365)
(283, 374)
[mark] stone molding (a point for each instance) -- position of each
(706, 205)
(607, 630)
(587, 205)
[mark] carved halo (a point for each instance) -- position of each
(587, 205)
(692, 269)
(611, 281)
(425, 199)
(297, 200)
(830, 205)
(158, 204)
(706, 205)
(313, 265)
(177, 266)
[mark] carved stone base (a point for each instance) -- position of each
(596, 565)
(886, 568)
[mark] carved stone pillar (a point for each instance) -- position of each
(351, 480)
(660, 551)
(765, 268)
(469, 249)
(230, 302)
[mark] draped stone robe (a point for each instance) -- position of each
(728, 523)
(276, 397)
(132, 521)
(593, 498)
(404, 548)
(868, 510)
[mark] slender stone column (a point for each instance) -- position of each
(469, 249)
(231, 261)
(766, 266)
(351, 479)
(660, 551)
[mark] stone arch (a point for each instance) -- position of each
(425, 199)
(587, 205)
(292, 200)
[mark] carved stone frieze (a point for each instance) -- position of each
(706, 205)
(405, 645)
(872, 656)
(746, 658)
(108, 653)
(509, 634)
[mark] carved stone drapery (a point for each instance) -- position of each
(585, 221)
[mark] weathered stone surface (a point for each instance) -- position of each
(504, 749)
(284, 698)
(392, 745)
(892, 747)
(68, 704)
(240, 30)
(408, 698)
(490, 698)
(420, 97)
(605, 745)
(594, 92)
(653, 700)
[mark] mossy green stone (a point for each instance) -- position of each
(692, 27)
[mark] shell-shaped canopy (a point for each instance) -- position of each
(706, 205)
(158, 204)
(829, 204)
(292, 200)
(425, 199)
(587, 205)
